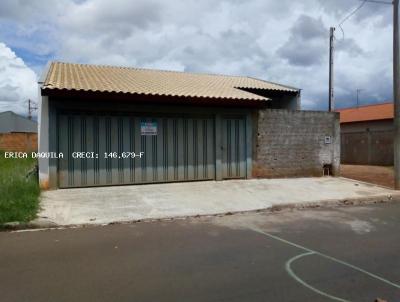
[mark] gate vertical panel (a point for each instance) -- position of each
(120, 179)
(114, 147)
(146, 145)
(138, 146)
(132, 148)
(189, 147)
(200, 149)
(228, 148)
(76, 137)
(211, 150)
(109, 161)
(174, 149)
(96, 150)
(89, 148)
(224, 144)
(234, 141)
(63, 148)
(185, 149)
(160, 148)
(166, 149)
(179, 147)
(234, 157)
(146, 161)
(102, 151)
(83, 147)
(242, 149)
(71, 163)
(148, 169)
(154, 156)
(126, 144)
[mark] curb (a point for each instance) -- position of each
(18, 226)
(377, 199)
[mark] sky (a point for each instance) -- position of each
(282, 41)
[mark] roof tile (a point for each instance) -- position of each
(367, 113)
(83, 77)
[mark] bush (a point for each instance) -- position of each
(19, 194)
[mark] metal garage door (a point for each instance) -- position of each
(233, 147)
(175, 149)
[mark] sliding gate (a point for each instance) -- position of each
(116, 150)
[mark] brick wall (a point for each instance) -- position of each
(18, 141)
(292, 143)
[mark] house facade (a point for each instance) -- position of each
(116, 125)
(367, 134)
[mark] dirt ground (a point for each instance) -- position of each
(374, 174)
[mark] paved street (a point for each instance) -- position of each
(332, 254)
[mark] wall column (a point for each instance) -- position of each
(43, 139)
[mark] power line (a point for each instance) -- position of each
(351, 14)
(377, 1)
(358, 8)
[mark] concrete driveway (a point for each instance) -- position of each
(159, 201)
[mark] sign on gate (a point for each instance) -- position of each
(148, 128)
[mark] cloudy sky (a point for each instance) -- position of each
(283, 41)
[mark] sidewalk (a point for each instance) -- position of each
(159, 201)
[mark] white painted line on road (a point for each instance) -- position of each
(305, 284)
(329, 257)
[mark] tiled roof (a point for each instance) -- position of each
(96, 78)
(367, 113)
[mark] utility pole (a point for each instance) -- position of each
(358, 97)
(396, 93)
(31, 108)
(331, 70)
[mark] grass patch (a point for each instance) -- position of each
(19, 195)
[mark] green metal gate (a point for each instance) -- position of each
(175, 149)
(233, 147)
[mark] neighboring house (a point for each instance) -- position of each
(189, 127)
(17, 133)
(367, 134)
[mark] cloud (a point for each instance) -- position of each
(117, 18)
(307, 42)
(283, 41)
(349, 46)
(17, 82)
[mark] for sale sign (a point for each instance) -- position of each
(148, 128)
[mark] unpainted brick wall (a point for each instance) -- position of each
(373, 147)
(292, 143)
(19, 142)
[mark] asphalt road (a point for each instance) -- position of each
(253, 257)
